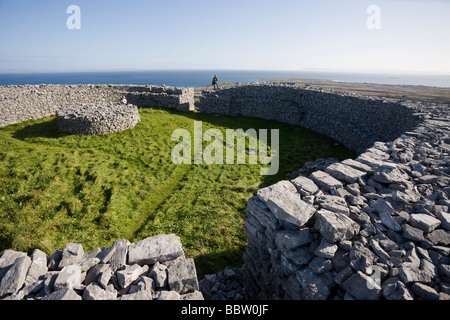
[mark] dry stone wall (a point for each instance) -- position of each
(355, 121)
(96, 119)
(21, 103)
(375, 227)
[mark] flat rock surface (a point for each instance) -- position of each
(334, 226)
(285, 202)
(159, 248)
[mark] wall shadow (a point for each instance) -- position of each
(47, 129)
(212, 263)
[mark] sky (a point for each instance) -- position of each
(298, 35)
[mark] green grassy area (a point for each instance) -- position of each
(57, 188)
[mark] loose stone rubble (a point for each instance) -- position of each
(96, 119)
(151, 269)
(224, 285)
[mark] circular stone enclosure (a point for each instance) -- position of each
(96, 119)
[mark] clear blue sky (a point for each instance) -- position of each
(229, 34)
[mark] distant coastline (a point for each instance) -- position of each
(199, 79)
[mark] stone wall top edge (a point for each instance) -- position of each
(93, 85)
(224, 91)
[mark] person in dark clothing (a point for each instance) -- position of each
(215, 82)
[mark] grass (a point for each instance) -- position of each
(57, 188)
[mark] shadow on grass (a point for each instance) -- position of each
(47, 129)
(211, 263)
(289, 161)
(6, 241)
(214, 119)
(312, 146)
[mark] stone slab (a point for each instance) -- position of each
(344, 173)
(326, 181)
(335, 226)
(159, 248)
(286, 204)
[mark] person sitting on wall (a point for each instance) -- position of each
(123, 101)
(215, 82)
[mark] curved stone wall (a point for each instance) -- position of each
(355, 121)
(375, 227)
(21, 103)
(96, 119)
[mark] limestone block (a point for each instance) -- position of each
(335, 226)
(159, 248)
(286, 204)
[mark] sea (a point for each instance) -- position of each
(203, 78)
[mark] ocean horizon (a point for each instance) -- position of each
(203, 78)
